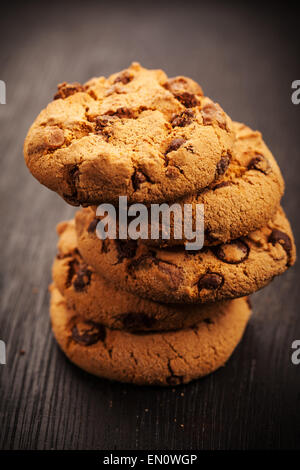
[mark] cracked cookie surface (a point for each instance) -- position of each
(93, 298)
(136, 134)
(161, 358)
(229, 270)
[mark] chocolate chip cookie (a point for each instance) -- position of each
(161, 358)
(228, 270)
(138, 134)
(95, 299)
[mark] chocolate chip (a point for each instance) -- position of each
(67, 89)
(208, 321)
(78, 274)
(103, 125)
(125, 249)
(123, 77)
(260, 163)
(222, 165)
(213, 112)
(93, 225)
(90, 333)
(175, 144)
(280, 237)
(122, 113)
(137, 179)
(183, 119)
(83, 278)
(71, 177)
(137, 321)
(102, 121)
(188, 100)
(172, 172)
(210, 281)
(90, 92)
(73, 172)
(234, 252)
(72, 269)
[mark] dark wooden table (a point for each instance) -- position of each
(245, 58)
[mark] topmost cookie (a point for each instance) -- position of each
(136, 134)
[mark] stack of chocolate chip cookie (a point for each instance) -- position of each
(151, 311)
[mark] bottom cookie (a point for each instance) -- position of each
(161, 358)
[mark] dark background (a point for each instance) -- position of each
(245, 57)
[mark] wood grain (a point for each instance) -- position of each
(247, 62)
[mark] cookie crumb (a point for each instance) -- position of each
(22, 352)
